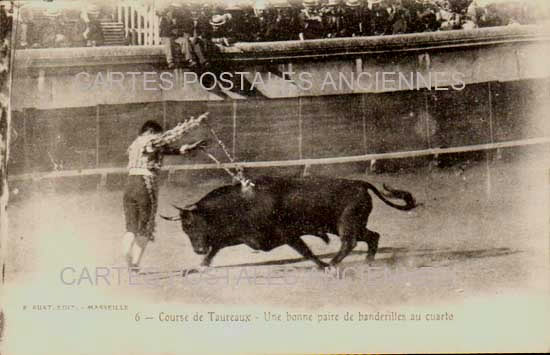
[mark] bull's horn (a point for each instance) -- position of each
(186, 208)
(174, 218)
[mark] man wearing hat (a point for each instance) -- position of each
(423, 16)
(201, 34)
(61, 31)
(51, 28)
(399, 17)
(311, 20)
(222, 33)
(352, 19)
(429, 17)
(283, 24)
(93, 33)
(26, 31)
(260, 21)
(176, 27)
(376, 19)
(239, 22)
(333, 19)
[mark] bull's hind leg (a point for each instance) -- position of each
(371, 238)
(349, 241)
(348, 233)
(302, 248)
(349, 230)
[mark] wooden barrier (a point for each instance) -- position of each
(506, 98)
(285, 163)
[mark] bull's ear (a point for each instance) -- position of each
(186, 217)
(186, 213)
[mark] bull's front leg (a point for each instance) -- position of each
(209, 256)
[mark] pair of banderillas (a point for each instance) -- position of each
(238, 175)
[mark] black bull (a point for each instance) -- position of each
(278, 211)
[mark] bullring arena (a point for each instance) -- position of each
(479, 230)
(469, 263)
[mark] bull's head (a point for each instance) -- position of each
(194, 226)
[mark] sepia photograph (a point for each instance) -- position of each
(274, 176)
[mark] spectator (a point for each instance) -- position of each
(188, 28)
(175, 31)
(311, 20)
(93, 33)
(459, 6)
(467, 23)
(376, 18)
(203, 22)
(444, 15)
(474, 11)
(429, 18)
(239, 23)
(490, 17)
(260, 22)
(352, 19)
(54, 29)
(222, 33)
(200, 36)
(5, 19)
(399, 17)
(75, 26)
(283, 24)
(26, 27)
(333, 19)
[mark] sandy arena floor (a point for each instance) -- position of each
(478, 230)
(481, 233)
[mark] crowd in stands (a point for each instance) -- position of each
(196, 28)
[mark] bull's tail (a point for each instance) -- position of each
(410, 203)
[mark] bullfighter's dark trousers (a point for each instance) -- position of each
(140, 205)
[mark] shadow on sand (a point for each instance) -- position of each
(412, 258)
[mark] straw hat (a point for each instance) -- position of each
(353, 3)
(310, 3)
(218, 20)
(279, 4)
(52, 12)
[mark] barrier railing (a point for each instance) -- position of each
(285, 163)
(141, 23)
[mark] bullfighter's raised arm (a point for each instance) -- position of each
(185, 148)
